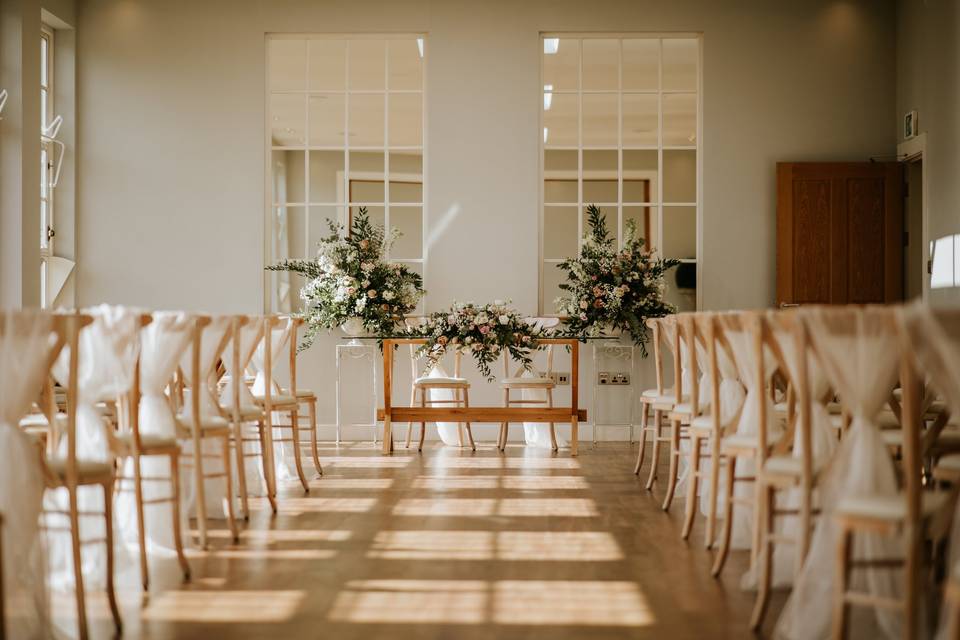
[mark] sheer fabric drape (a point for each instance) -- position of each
(162, 344)
(108, 350)
(249, 337)
(283, 451)
(862, 366)
(25, 343)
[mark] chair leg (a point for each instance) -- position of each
(674, 463)
(313, 436)
(228, 500)
(724, 549)
(456, 397)
(466, 404)
(553, 431)
(423, 425)
(200, 498)
(413, 400)
(108, 518)
(765, 578)
(655, 454)
(175, 504)
(141, 528)
(693, 480)
(298, 463)
(241, 470)
(712, 492)
(840, 606)
(643, 437)
(266, 461)
(77, 566)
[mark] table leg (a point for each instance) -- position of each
(574, 395)
(387, 384)
(574, 429)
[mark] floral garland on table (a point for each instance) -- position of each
(483, 331)
(606, 288)
(351, 278)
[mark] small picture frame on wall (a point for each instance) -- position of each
(910, 125)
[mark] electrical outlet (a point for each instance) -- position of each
(621, 378)
(554, 377)
(563, 378)
(603, 378)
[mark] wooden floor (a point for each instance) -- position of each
(451, 544)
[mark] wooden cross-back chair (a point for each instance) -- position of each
(660, 400)
(684, 347)
(130, 443)
(543, 381)
(69, 473)
(423, 384)
(195, 427)
(284, 400)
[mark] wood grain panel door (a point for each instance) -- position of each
(839, 232)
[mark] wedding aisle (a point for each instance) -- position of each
(448, 544)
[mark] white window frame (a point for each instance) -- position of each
(546, 306)
(343, 206)
(47, 172)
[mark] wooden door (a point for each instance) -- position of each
(839, 232)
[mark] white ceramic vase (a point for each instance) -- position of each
(354, 328)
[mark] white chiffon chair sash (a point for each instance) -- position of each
(25, 344)
(745, 359)
(162, 344)
(936, 346)
(250, 336)
(448, 430)
(283, 451)
(108, 350)
(863, 368)
(215, 489)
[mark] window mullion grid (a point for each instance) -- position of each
(345, 186)
(306, 157)
(660, 213)
(579, 42)
(620, 140)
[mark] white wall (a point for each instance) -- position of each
(172, 135)
(928, 81)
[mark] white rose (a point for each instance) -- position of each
(388, 295)
(504, 319)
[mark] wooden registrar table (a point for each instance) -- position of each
(390, 414)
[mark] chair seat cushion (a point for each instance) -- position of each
(737, 441)
(683, 407)
(702, 424)
(784, 466)
(440, 381)
(247, 413)
(277, 400)
(210, 423)
(889, 508)
(148, 440)
(304, 394)
(88, 471)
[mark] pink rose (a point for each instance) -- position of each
(484, 329)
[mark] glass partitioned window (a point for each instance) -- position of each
(621, 120)
(345, 122)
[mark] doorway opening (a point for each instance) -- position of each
(914, 261)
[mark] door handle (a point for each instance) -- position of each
(788, 305)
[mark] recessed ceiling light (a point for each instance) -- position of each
(547, 96)
(551, 45)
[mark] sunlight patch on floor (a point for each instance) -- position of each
(269, 536)
(445, 507)
(526, 507)
(569, 507)
(327, 482)
(451, 483)
(223, 606)
(542, 483)
(295, 506)
(275, 554)
(504, 463)
(567, 546)
(412, 601)
(367, 462)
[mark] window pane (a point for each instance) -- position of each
(43, 61)
(639, 175)
(406, 191)
(560, 238)
(326, 176)
(408, 164)
(367, 64)
(609, 214)
(601, 64)
(366, 161)
(409, 221)
(288, 64)
(44, 114)
(561, 61)
(565, 161)
(640, 120)
(328, 65)
(684, 298)
(560, 190)
(406, 64)
(366, 120)
(679, 119)
(679, 176)
(406, 120)
(640, 64)
(680, 59)
(375, 214)
(680, 232)
(560, 121)
(645, 219)
(289, 123)
(326, 114)
(599, 176)
(289, 174)
(599, 120)
(43, 171)
(366, 190)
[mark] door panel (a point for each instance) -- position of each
(839, 233)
